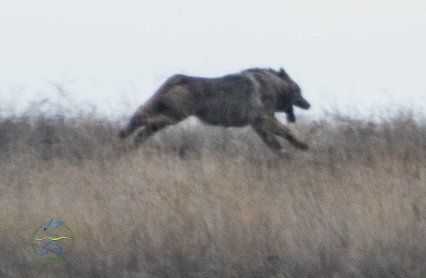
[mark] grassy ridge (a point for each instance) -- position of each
(210, 202)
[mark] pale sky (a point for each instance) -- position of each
(115, 54)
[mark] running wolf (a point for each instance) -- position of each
(250, 97)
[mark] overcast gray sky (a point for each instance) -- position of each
(109, 53)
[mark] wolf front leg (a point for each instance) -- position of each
(269, 139)
(279, 129)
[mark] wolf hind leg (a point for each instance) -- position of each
(136, 121)
(153, 125)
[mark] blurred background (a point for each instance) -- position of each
(201, 201)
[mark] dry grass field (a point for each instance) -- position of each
(213, 202)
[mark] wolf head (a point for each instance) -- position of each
(293, 96)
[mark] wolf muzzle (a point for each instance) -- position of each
(302, 103)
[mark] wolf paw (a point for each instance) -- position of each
(303, 146)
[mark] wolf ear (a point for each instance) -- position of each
(282, 73)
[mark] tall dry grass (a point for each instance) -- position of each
(211, 202)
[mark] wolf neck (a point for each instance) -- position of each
(283, 103)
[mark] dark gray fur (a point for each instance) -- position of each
(248, 98)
